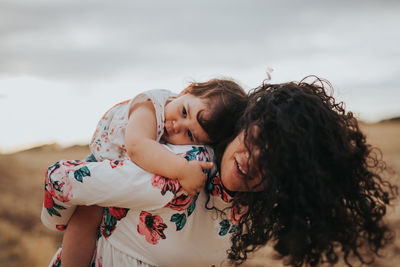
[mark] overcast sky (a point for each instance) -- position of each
(64, 63)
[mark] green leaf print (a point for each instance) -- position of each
(192, 206)
(52, 211)
(59, 207)
(224, 227)
(179, 220)
(82, 172)
(233, 228)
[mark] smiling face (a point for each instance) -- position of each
(237, 173)
(181, 124)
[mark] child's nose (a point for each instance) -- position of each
(177, 127)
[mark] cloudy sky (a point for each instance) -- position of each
(64, 63)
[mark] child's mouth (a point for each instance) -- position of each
(165, 132)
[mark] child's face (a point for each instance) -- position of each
(181, 125)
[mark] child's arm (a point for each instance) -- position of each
(150, 155)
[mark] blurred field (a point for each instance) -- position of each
(25, 242)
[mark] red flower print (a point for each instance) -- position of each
(237, 213)
(97, 260)
(116, 163)
(51, 207)
(157, 181)
(151, 227)
(61, 227)
(166, 184)
(111, 216)
(57, 181)
(118, 213)
(57, 261)
(181, 201)
(48, 200)
(218, 190)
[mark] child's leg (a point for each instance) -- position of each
(79, 239)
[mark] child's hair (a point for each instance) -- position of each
(226, 100)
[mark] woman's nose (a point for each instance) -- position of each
(245, 155)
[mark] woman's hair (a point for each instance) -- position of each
(225, 100)
(324, 196)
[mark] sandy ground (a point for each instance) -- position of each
(25, 242)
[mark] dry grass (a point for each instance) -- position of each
(25, 242)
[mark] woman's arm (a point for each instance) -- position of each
(107, 183)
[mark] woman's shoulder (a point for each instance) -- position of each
(192, 152)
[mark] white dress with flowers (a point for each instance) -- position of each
(156, 223)
(108, 141)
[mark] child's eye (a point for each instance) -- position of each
(184, 112)
(189, 133)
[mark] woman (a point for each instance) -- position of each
(323, 195)
(297, 173)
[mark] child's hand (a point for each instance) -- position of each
(192, 177)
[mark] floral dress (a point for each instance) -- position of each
(108, 141)
(156, 223)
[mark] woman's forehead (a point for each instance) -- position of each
(250, 134)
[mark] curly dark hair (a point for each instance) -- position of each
(324, 193)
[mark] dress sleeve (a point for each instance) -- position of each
(159, 98)
(107, 183)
